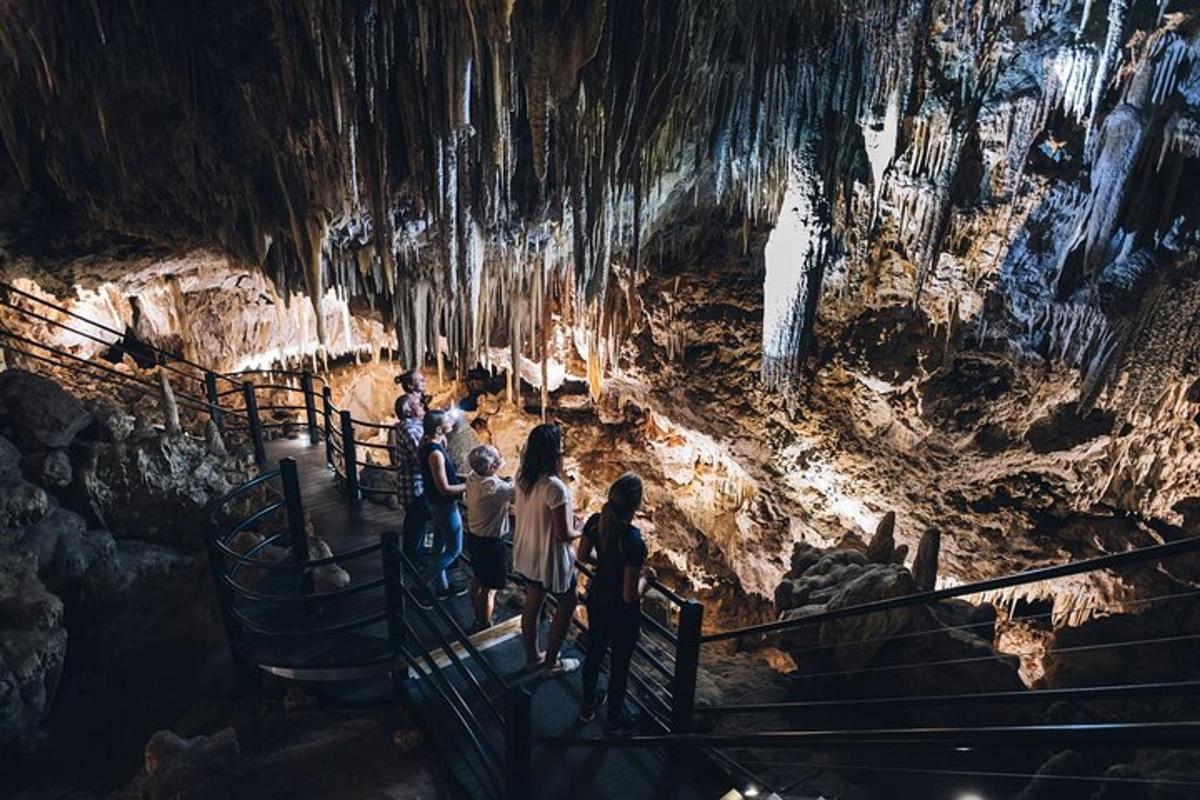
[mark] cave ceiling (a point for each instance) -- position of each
(433, 159)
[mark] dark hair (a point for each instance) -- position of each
(433, 423)
(624, 500)
(407, 380)
(542, 455)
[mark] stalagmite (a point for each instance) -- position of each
(212, 437)
(883, 543)
(925, 565)
(169, 408)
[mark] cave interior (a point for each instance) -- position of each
(891, 304)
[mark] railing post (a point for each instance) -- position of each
(393, 587)
(349, 456)
(297, 532)
(327, 412)
(687, 663)
(214, 401)
(310, 406)
(518, 750)
(256, 431)
(247, 674)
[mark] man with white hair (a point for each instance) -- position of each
(487, 498)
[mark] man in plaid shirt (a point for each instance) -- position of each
(403, 441)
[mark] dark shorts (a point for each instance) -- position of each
(489, 560)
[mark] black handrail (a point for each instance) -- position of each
(1128, 558)
(1139, 734)
(1080, 694)
(120, 334)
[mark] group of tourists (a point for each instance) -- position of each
(547, 540)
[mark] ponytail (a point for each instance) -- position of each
(624, 500)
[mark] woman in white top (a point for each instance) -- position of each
(544, 547)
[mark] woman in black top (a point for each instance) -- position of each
(615, 547)
(442, 490)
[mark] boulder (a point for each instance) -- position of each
(24, 602)
(51, 469)
(379, 486)
(44, 537)
(33, 644)
(41, 415)
(1048, 784)
(30, 665)
(21, 503)
(189, 769)
(10, 462)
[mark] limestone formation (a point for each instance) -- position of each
(925, 566)
(170, 408)
(883, 543)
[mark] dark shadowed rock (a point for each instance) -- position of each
(41, 415)
(43, 538)
(32, 648)
(10, 462)
(1051, 783)
(189, 769)
(54, 469)
(24, 602)
(21, 503)
(925, 565)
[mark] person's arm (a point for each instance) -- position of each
(587, 550)
(437, 467)
(561, 524)
(636, 577)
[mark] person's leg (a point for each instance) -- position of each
(488, 605)
(477, 602)
(625, 633)
(559, 626)
(448, 527)
(599, 630)
(530, 612)
(416, 517)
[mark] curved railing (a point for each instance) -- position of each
(274, 618)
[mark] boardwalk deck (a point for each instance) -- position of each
(627, 774)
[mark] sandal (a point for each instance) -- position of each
(561, 667)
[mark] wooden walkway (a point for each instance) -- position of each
(618, 773)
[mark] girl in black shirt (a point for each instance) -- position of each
(615, 547)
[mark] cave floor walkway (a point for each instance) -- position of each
(606, 772)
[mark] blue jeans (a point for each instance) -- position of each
(448, 539)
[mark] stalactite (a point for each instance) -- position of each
(1117, 11)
